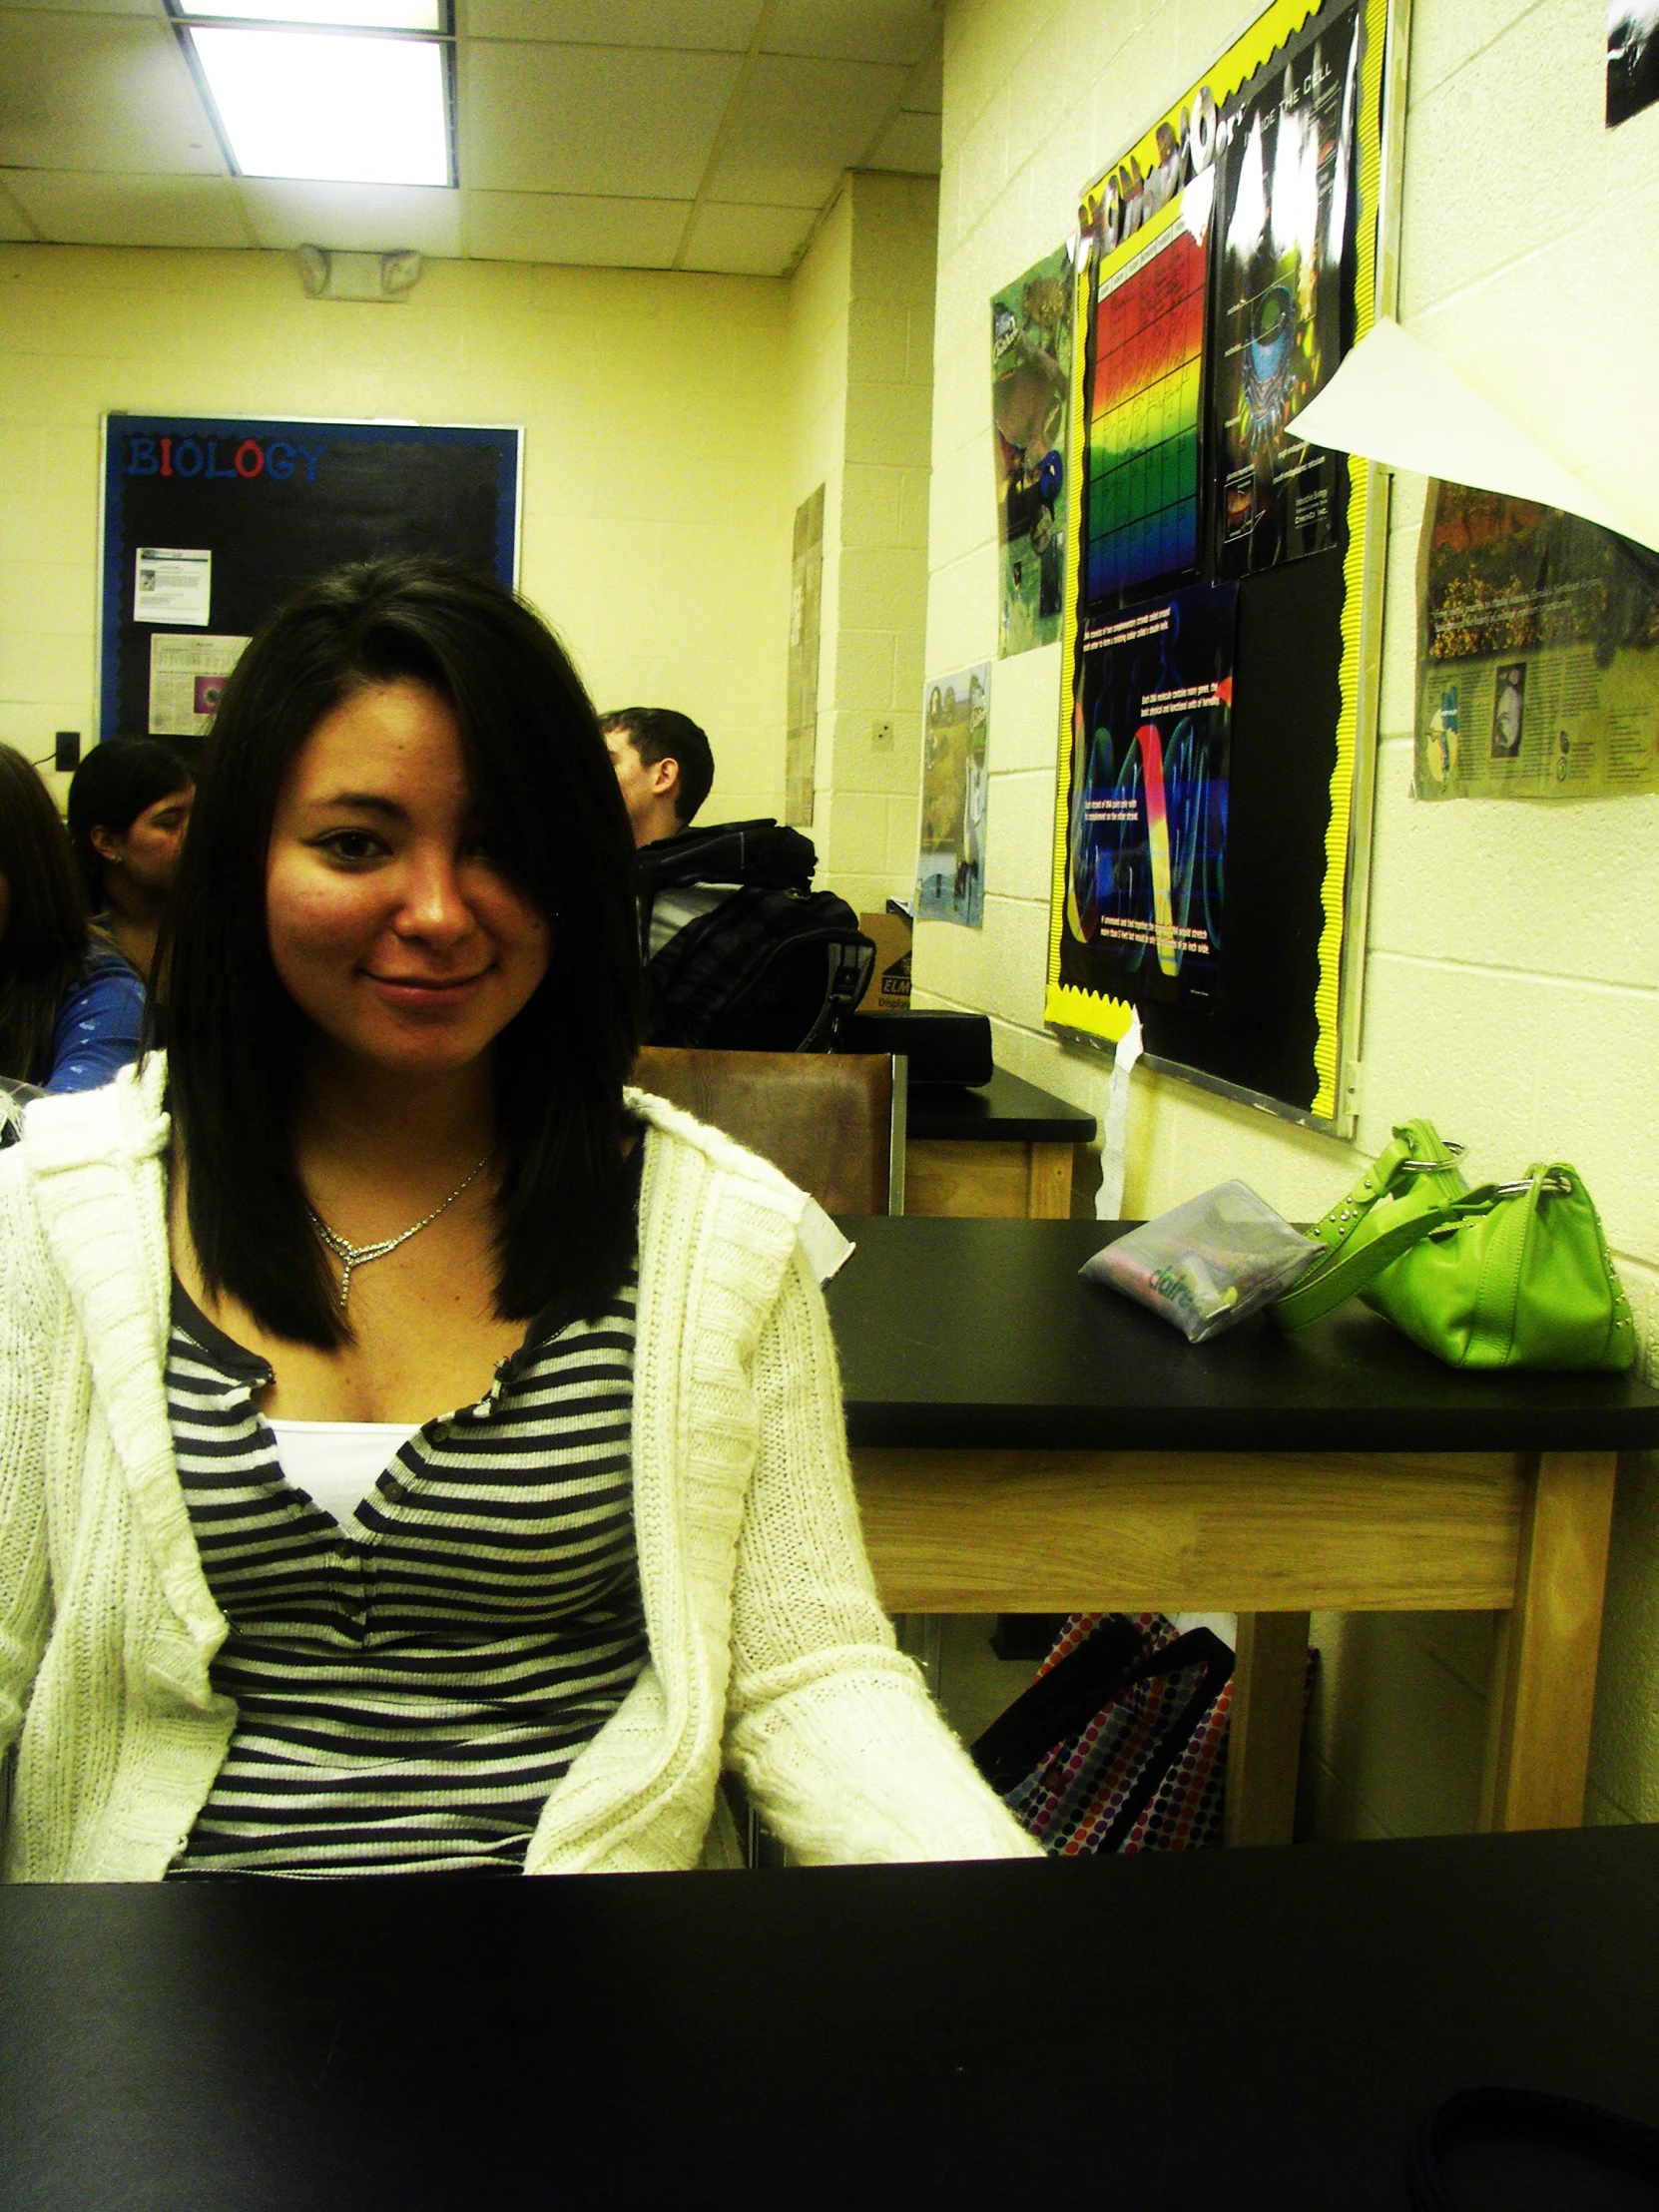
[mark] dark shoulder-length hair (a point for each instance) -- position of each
(544, 781)
(46, 939)
(114, 784)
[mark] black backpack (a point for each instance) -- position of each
(774, 967)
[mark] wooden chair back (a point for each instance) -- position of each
(833, 1121)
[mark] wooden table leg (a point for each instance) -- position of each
(1543, 1694)
(1048, 1188)
(1264, 1736)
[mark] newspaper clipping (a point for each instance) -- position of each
(1539, 662)
(187, 676)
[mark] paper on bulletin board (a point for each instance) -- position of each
(1538, 654)
(951, 868)
(1281, 239)
(173, 584)
(187, 676)
(1144, 879)
(1031, 321)
(1395, 401)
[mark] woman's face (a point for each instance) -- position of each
(389, 920)
(148, 849)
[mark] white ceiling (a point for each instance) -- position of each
(631, 133)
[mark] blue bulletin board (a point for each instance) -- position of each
(211, 522)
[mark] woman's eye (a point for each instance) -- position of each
(350, 846)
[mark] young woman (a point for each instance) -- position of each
(416, 1451)
(71, 1008)
(129, 807)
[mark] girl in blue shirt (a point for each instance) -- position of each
(71, 1008)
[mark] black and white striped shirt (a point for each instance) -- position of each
(410, 1686)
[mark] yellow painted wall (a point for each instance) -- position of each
(655, 527)
(1513, 978)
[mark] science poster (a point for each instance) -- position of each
(1632, 58)
(1282, 239)
(1145, 478)
(1031, 323)
(1538, 655)
(1145, 868)
(951, 868)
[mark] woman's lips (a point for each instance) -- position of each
(426, 990)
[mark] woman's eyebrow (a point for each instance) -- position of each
(364, 802)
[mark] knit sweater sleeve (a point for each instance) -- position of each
(25, 1591)
(830, 1727)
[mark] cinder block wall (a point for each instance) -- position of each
(860, 401)
(655, 533)
(1512, 984)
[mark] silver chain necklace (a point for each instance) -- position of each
(359, 1255)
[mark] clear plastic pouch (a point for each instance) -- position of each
(1208, 1264)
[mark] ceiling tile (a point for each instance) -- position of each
(78, 207)
(925, 90)
(853, 30)
(605, 121)
(797, 125)
(99, 92)
(554, 227)
(83, 7)
(747, 242)
(360, 218)
(716, 26)
(910, 141)
(13, 224)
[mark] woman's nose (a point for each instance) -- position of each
(433, 906)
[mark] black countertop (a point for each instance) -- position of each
(1007, 1110)
(1182, 2031)
(980, 1334)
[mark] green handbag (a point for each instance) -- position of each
(1507, 1274)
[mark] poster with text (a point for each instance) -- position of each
(1632, 58)
(1143, 451)
(1285, 225)
(1147, 809)
(951, 869)
(1030, 376)
(1538, 666)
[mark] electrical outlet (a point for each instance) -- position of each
(881, 736)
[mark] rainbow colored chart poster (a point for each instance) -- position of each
(1144, 880)
(1144, 493)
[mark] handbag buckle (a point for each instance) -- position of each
(1555, 1182)
(1431, 1166)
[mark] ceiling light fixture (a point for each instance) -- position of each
(343, 91)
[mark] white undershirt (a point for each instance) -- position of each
(337, 1462)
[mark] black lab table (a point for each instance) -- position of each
(1023, 1442)
(1216, 2030)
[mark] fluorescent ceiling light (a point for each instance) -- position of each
(361, 111)
(344, 15)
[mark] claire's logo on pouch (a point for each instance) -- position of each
(220, 458)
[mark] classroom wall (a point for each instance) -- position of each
(860, 399)
(1512, 972)
(655, 530)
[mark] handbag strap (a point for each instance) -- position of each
(1348, 1271)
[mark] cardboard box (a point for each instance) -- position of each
(889, 983)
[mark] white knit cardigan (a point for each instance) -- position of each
(768, 1649)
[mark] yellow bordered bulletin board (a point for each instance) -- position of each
(1222, 590)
